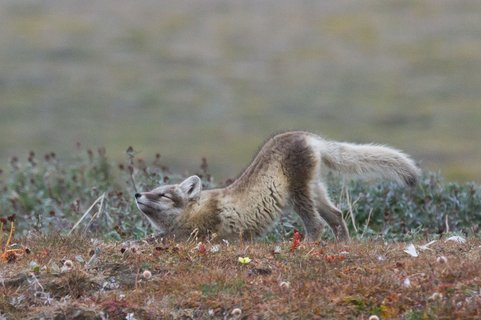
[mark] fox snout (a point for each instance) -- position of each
(152, 196)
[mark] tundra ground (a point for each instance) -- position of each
(78, 278)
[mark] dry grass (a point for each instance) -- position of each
(328, 280)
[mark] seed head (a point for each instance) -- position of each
(236, 312)
(147, 274)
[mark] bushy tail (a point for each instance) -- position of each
(371, 160)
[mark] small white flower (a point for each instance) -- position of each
(226, 242)
(411, 250)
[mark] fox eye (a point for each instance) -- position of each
(164, 195)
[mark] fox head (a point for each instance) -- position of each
(163, 205)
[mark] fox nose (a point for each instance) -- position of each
(137, 195)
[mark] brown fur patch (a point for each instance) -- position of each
(205, 218)
(299, 160)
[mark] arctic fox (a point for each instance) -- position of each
(287, 171)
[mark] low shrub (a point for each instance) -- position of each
(50, 194)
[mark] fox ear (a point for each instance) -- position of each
(192, 186)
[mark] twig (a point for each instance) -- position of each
(349, 205)
(12, 227)
(1, 235)
(193, 236)
(137, 279)
(96, 214)
(138, 273)
(309, 252)
(34, 281)
(367, 223)
(131, 155)
(85, 214)
(446, 222)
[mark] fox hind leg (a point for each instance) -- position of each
(303, 203)
(329, 212)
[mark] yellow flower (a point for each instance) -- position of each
(244, 260)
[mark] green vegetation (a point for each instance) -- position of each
(49, 194)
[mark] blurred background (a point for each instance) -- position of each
(215, 78)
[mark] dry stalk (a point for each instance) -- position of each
(86, 213)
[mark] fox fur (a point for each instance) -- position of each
(287, 171)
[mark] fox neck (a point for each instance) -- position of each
(199, 217)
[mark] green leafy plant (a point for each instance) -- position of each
(52, 194)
